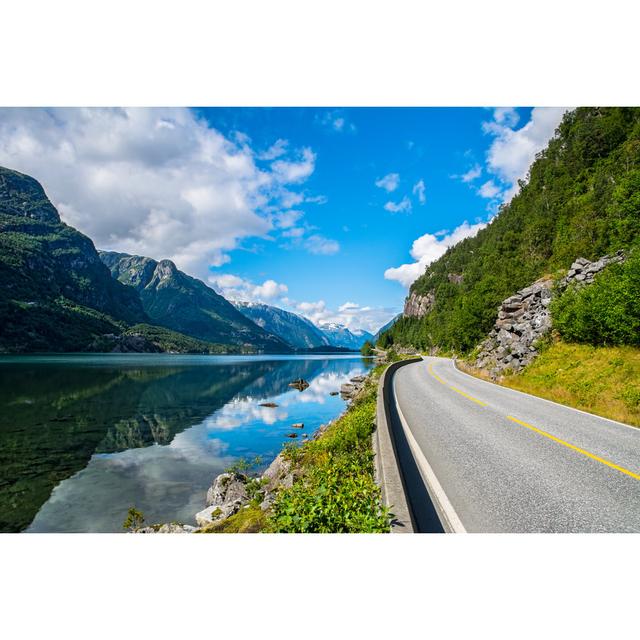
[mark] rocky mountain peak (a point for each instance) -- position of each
(22, 195)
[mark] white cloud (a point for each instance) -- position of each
(277, 149)
(399, 207)
(420, 191)
(288, 171)
(513, 150)
(233, 287)
(153, 181)
(336, 121)
(389, 182)
(350, 314)
(473, 173)
(489, 189)
(428, 248)
(507, 116)
(320, 245)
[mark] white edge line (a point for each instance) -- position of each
(530, 395)
(439, 497)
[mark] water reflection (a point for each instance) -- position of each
(84, 438)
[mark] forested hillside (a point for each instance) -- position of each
(55, 293)
(581, 199)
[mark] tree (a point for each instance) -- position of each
(134, 520)
(367, 349)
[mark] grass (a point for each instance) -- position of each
(336, 491)
(251, 519)
(601, 380)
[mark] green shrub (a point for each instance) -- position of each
(366, 349)
(337, 492)
(606, 312)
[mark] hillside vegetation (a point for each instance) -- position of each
(600, 380)
(582, 198)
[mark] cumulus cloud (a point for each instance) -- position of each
(404, 206)
(154, 181)
(489, 189)
(350, 314)
(389, 182)
(428, 248)
(277, 149)
(513, 150)
(233, 287)
(419, 190)
(295, 170)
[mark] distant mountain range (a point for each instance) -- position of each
(296, 330)
(300, 332)
(341, 336)
(179, 302)
(58, 293)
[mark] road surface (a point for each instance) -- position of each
(497, 460)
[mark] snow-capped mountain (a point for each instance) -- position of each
(295, 330)
(341, 336)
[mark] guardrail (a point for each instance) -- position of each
(388, 475)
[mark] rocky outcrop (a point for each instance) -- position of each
(583, 272)
(225, 497)
(169, 527)
(349, 390)
(524, 318)
(416, 306)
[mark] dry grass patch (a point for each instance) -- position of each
(601, 380)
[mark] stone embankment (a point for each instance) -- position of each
(524, 318)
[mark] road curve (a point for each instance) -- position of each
(498, 460)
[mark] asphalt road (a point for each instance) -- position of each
(502, 461)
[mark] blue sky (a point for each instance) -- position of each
(328, 212)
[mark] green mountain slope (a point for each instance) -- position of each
(582, 198)
(55, 293)
(177, 301)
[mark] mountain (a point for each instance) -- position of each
(174, 300)
(581, 199)
(386, 327)
(55, 293)
(339, 336)
(296, 330)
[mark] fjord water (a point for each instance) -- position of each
(85, 437)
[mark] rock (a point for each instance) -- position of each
(170, 527)
(524, 318)
(292, 435)
(358, 379)
(226, 488)
(418, 305)
(334, 393)
(216, 513)
(299, 384)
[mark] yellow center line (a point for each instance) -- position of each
(462, 393)
(574, 448)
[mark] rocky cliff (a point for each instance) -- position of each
(417, 306)
(524, 317)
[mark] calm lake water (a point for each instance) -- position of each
(84, 437)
